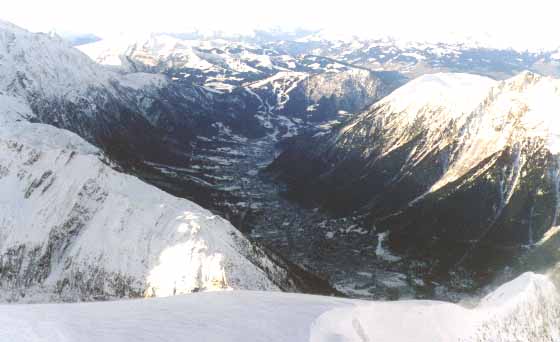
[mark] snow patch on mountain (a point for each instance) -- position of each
(281, 85)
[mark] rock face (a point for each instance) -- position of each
(458, 168)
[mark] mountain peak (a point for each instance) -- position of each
(44, 64)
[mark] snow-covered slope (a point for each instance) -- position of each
(526, 309)
(520, 113)
(428, 105)
(28, 60)
(67, 89)
(37, 64)
(73, 228)
(456, 167)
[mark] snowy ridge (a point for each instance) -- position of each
(44, 65)
(27, 58)
(218, 64)
(50, 76)
(160, 50)
(457, 93)
(415, 57)
(428, 105)
(527, 310)
(230, 73)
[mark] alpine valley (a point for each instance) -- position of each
(169, 164)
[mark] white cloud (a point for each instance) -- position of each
(516, 23)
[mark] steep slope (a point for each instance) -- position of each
(526, 309)
(73, 228)
(65, 88)
(459, 169)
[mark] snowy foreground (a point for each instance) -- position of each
(526, 309)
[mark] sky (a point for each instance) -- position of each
(530, 24)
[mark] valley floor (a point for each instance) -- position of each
(340, 250)
(351, 256)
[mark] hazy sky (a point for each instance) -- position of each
(520, 23)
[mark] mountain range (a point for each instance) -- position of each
(359, 168)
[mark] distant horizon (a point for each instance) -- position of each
(498, 23)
